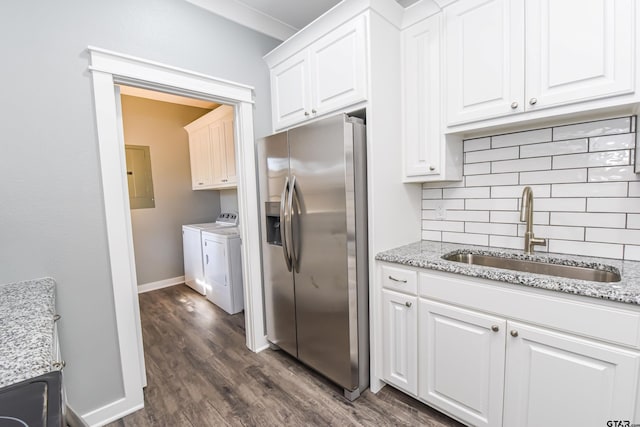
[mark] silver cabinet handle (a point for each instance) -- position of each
(397, 280)
(200, 183)
(514, 105)
(306, 113)
(514, 333)
(495, 328)
(56, 317)
(58, 366)
(313, 111)
(432, 168)
(207, 257)
(408, 304)
(533, 101)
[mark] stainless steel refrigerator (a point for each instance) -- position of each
(314, 246)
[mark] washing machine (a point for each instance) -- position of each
(192, 249)
(223, 268)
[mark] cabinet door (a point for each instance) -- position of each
(338, 67)
(200, 155)
(421, 98)
(218, 161)
(462, 357)
(400, 340)
(290, 91)
(577, 50)
(484, 59)
(559, 380)
(229, 151)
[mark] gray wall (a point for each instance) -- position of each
(157, 232)
(52, 220)
(229, 200)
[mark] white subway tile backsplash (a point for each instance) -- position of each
(589, 129)
(632, 252)
(442, 225)
(492, 179)
(587, 160)
(613, 235)
(509, 242)
(555, 232)
(555, 148)
(521, 138)
(466, 193)
(446, 204)
(604, 250)
(613, 173)
(465, 238)
(432, 193)
(432, 235)
(558, 204)
(533, 164)
(476, 168)
(491, 204)
(633, 221)
(586, 219)
(514, 217)
(491, 228)
(597, 189)
(491, 155)
(476, 144)
(612, 142)
(626, 205)
(478, 216)
(516, 191)
(554, 176)
(586, 193)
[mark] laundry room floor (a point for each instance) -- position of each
(200, 373)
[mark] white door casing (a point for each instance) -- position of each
(109, 68)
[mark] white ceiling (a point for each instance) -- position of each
(279, 19)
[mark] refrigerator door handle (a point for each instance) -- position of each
(283, 224)
(293, 194)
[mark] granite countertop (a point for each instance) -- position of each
(26, 335)
(427, 254)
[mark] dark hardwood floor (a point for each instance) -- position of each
(200, 373)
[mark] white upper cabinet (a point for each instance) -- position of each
(484, 57)
(506, 57)
(212, 150)
(291, 91)
(326, 76)
(577, 50)
(427, 156)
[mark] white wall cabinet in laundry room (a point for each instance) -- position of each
(212, 150)
(324, 77)
(505, 57)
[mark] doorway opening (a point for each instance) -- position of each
(109, 69)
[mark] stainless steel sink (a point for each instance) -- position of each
(538, 267)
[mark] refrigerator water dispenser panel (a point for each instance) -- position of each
(272, 210)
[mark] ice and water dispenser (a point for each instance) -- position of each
(272, 210)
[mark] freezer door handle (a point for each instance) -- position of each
(283, 221)
(294, 215)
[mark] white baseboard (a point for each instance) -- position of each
(111, 412)
(152, 286)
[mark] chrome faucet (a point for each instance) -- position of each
(526, 214)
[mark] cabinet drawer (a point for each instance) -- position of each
(400, 279)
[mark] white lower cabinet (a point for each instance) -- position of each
(558, 379)
(462, 356)
(400, 338)
(490, 355)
